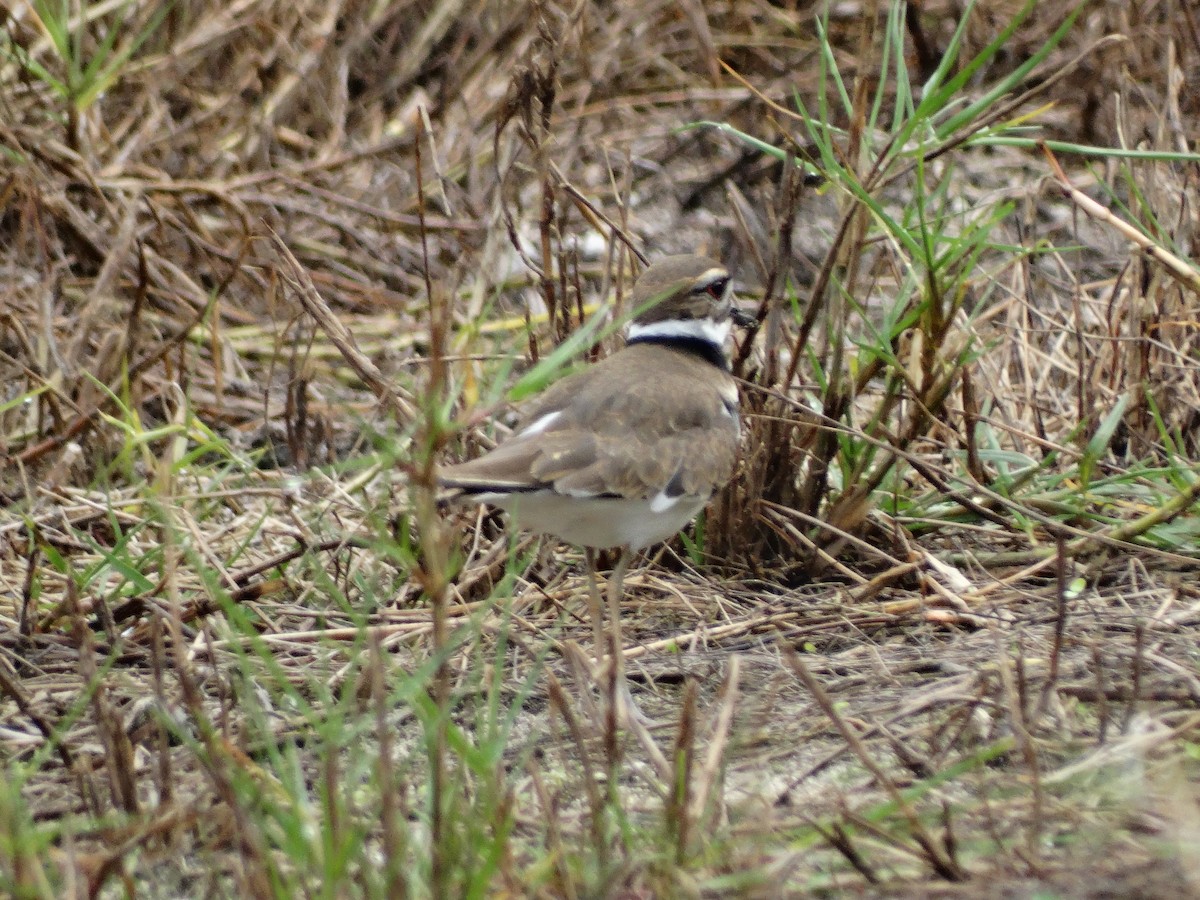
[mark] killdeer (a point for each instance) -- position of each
(626, 452)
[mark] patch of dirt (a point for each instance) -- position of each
(1042, 730)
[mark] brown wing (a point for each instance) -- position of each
(642, 421)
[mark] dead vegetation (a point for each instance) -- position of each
(941, 629)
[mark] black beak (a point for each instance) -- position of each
(742, 318)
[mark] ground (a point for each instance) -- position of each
(265, 264)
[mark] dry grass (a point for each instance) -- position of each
(942, 627)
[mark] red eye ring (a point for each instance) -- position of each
(717, 288)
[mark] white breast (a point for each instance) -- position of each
(600, 521)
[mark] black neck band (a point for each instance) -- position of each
(706, 350)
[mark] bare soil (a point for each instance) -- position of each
(1044, 712)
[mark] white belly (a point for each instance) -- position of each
(600, 521)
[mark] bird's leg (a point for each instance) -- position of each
(627, 711)
(616, 591)
(594, 603)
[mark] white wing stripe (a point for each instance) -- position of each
(541, 424)
(660, 502)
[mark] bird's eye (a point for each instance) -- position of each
(717, 287)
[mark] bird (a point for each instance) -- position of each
(627, 451)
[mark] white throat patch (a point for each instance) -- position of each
(716, 333)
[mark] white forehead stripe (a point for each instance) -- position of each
(705, 329)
